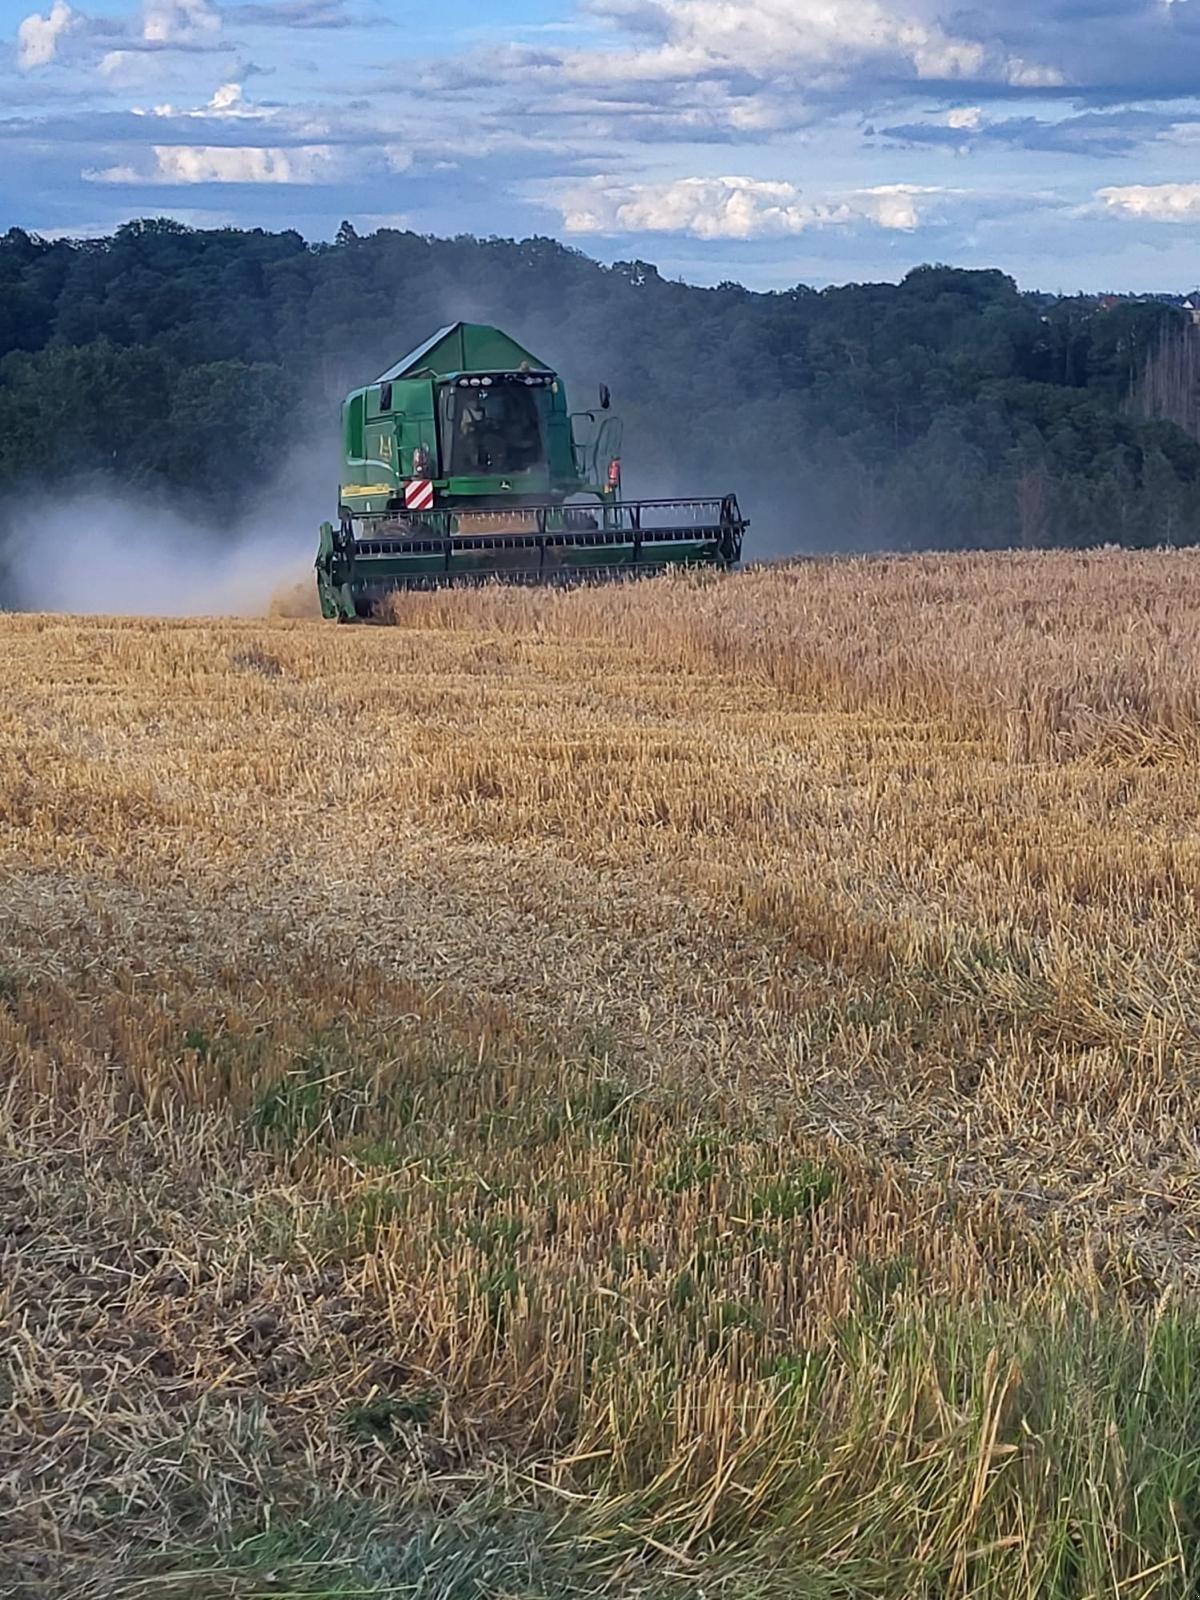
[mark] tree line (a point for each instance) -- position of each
(950, 410)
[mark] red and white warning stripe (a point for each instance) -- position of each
(418, 494)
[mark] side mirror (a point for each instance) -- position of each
(605, 397)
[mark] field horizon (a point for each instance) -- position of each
(673, 1089)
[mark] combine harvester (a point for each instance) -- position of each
(463, 465)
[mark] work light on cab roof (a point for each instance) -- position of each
(463, 463)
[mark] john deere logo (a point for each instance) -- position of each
(504, 483)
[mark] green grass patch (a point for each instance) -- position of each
(793, 1194)
(332, 1095)
(379, 1154)
(480, 1550)
(10, 988)
(352, 1226)
(385, 1416)
(694, 1164)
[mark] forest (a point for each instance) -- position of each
(950, 410)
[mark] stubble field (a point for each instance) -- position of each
(672, 1090)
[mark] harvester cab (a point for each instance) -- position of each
(463, 463)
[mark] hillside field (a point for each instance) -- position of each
(688, 1089)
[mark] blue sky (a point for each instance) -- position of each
(768, 141)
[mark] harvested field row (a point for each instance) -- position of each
(693, 1085)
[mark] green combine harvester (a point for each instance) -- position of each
(463, 465)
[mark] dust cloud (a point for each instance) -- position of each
(123, 558)
(106, 551)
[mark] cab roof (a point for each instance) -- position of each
(464, 347)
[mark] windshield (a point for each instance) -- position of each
(492, 431)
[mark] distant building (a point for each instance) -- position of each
(1192, 307)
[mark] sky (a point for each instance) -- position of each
(770, 142)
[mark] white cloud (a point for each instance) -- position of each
(1159, 202)
(183, 164)
(733, 208)
(1029, 75)
(900, 207)
(229, 101)
(741, 70)
(38, 36)
(828, 39)
(119, 42)
(969, 119)
(179, 21)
